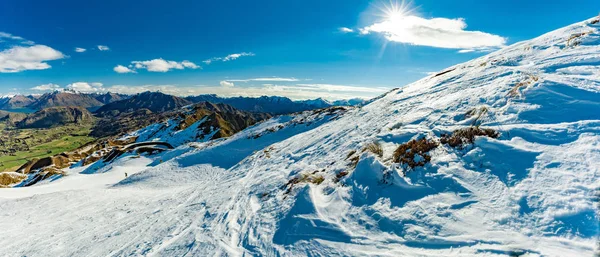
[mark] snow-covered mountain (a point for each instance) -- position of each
(304, 184)
(318, 103)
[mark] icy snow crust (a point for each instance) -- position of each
(529, 191)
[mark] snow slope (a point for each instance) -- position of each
(531, 191)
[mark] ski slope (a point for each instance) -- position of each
(531, 191)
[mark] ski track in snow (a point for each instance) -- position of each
(530, 191)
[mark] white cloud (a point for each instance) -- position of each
(435, 32)
(162, 65)
(10, 36)
(47, 87)
(235, 56)
(21, 58)
(123, 69)
(477, 50)
(346, 30)
(226, 83)
(340, 88)
(85, 87)
(17, 40)
(297, 92)
(275, 79)
(103, 48)
(190, 65)
(227, 58)
(80, 50)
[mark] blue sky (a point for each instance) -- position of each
(300, 49)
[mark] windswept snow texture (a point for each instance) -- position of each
(530, 191)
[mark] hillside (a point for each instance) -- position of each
(497, 156)
(154, 101)
(199, 120)
(58, 98)
(11, 118)
(56, 116)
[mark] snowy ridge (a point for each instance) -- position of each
(530, 191)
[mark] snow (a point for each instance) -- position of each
(532, 190)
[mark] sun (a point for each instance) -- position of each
(395, 11)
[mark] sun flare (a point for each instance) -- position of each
(395, 11)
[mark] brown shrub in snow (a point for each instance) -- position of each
(464, 136)
(375, 148)
(304, 178)
(415, 152)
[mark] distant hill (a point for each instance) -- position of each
(153, 101)
(110, 97)
(11, 118)
(111, 125)
(57, 98)
(272, 104)
(56, 116)
(17, 101)
(218, 116)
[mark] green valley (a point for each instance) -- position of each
(17, 146)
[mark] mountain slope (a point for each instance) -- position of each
(56, 116)
(58, 98)
(17, 101)
(201, 122)
(110, 97)
(11, 118)
(302, 185)
(153, 101)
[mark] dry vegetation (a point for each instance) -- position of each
(461, 137)
(479, 112)
(516, 90)
(375, 148)
(353, 158)
(574, 39)
(415, 153)
(304, 178)
(340, 175)
(9, 178)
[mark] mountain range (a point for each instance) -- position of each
(274, 104)
(113, 103)
(57, 99)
